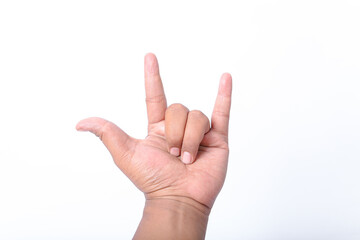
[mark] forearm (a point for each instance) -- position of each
(173, 219)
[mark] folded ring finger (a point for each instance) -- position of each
(197, 126)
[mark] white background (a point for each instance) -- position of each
(294, 168)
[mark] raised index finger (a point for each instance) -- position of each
(155, 96)
(221, 113)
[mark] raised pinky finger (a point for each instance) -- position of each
(221, 113)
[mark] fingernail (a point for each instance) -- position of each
(175, 151)
(186, 158)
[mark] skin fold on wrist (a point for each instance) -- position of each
(173, 217)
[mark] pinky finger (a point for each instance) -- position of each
(221, 113)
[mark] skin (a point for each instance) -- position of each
(180, 166)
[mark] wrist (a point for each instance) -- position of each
(173, 217)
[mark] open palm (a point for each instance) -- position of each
(156, 164)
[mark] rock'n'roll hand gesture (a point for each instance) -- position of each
(180, 166)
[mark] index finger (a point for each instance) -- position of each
(221, 113)
(155, 96)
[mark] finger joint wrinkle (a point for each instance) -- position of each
(222, 114)
(156, 99)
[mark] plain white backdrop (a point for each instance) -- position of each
(294, 170)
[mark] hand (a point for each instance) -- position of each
(183, 157)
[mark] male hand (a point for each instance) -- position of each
(183, 157)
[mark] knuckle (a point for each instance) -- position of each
(198, 115)
(177, 107)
